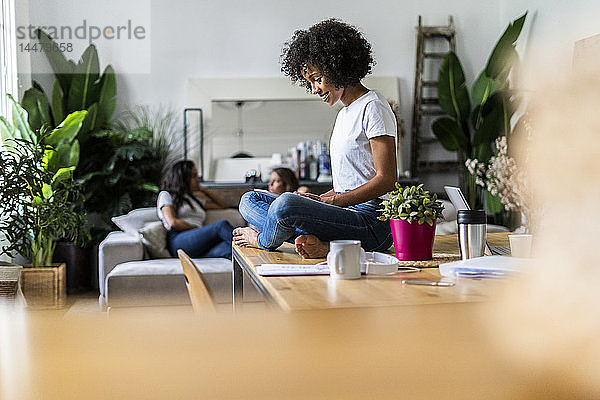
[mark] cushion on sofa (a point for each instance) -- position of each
(154, 239)
(136, 219)
(145, 224)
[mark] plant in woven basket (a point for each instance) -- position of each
(9, 279)
(38, 192)
(411, 203)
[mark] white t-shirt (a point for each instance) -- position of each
(367, 117)
(194, 215)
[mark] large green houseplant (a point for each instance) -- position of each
(472, 128)
(412, 212)
(38, 192)
(121, 163)
(142, 140)
(78, 86)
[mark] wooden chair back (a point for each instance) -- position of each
(196, 284)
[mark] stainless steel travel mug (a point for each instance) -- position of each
(472, 230)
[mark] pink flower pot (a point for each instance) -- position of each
(412, 242)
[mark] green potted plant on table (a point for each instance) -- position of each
(38, 192)
(412, 212)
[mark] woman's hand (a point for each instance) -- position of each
(327, 198)
(311, 196)
(384, 161)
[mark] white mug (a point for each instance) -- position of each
(344, 259)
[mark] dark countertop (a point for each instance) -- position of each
(259, 185)
(263, 185)
(231, 192)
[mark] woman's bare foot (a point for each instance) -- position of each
(310, 246)
(245, 237)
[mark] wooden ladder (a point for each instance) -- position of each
(425, 105)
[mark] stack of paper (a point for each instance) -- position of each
(485, 267)
(374, 263)
(292, 269)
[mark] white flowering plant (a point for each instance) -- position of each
(505, 177)
(501, 176)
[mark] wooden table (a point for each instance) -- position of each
(319, 292)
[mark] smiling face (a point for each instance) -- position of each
(319, 85)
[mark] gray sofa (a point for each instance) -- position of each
(127, 277)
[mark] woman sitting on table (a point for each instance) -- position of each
(183, 215)
(330, 59)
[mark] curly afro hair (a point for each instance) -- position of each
(336, 49)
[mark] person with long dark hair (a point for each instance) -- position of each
(329, 60)
(183, 215)
(283, 180)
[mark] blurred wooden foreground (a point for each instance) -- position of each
(424, 352)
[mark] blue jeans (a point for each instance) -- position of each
(212, 240)
(290, 215)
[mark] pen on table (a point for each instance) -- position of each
(427, 283)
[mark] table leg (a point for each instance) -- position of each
(238, 283)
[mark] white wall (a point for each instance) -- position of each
(225, 39)
(552, 30)
(242, 39)
(23, 59)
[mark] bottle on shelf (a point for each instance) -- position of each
(324, 165)
(292, 159)
(302, 167)
(313, 163)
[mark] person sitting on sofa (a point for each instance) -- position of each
(284, 180)
(330, 59)
(183, 215)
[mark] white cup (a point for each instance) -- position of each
(520, 245)
(344, 259)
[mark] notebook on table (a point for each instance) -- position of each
(485, 267)
(460, 203)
